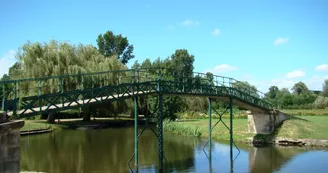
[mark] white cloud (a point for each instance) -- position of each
(315, 83)
(280, 41)
(189, 22)
(222, 68)
(322, 67)
(216, 32)
(295, 74)
(6, 61)
(282, 83)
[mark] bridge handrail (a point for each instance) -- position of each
(216, 79)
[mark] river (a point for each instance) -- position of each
(108, 151)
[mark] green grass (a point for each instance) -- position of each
(306, 112)
(199, 127)
(203, 115)
(305, 127)
(34, 125)
(302, 127)
(182, 129)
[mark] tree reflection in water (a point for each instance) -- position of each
(108, 150)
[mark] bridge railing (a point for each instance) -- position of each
(196, 78)
(14, 90)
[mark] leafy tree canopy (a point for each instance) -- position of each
(300, 88)
(182, 62)
(273, 91)
(110, 44)
(325, 88)
(59, 58)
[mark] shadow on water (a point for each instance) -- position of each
(108, 150)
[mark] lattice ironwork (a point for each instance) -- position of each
(28, 97)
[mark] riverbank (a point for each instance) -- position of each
(306, 112)
(33, 126)
(301, 130)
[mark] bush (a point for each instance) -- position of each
(321, 102)
(180, 129)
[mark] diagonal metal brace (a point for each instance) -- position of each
(151, 115)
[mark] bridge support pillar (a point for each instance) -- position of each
(86, 113)
(9, 144)
(160, 134)
(210, 128)
(210, 125)
(265, 123)
(51, 117)
(136, 152)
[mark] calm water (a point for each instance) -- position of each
(108, 150)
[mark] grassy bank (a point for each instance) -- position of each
(305, 127)
(306, 112)
(199, 127)
(71, 123)
(35, 125)
(302, 127)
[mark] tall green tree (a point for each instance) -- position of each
(273, 91)
(325, 88)
(300, 88)
(182, 62)
(110, 44)
(244, 86)
(7, 86)
(60, 58)
(284, 98)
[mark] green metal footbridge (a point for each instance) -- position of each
(33, 96)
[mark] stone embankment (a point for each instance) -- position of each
(301, 142)
(9, 144)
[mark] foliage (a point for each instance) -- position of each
(61, 58)
(321, 102)
(273, 91)
(246, 87)
(7, 87)
(300, 88)
(306, 112)
(115, 45)
(220, 132)
(181, 129)
(300, 98)
(325, 88)
(182, 62)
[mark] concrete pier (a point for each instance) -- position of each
(9, 144)
(265, 122)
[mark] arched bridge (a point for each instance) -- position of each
(28, 97)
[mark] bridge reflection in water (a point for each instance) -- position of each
(107, 151)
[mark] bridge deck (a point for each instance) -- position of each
(77, 103)
(238, 103)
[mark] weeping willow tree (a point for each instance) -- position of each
(61, 58)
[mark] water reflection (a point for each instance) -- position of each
(108, 150)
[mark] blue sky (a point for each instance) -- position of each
(263, 42)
